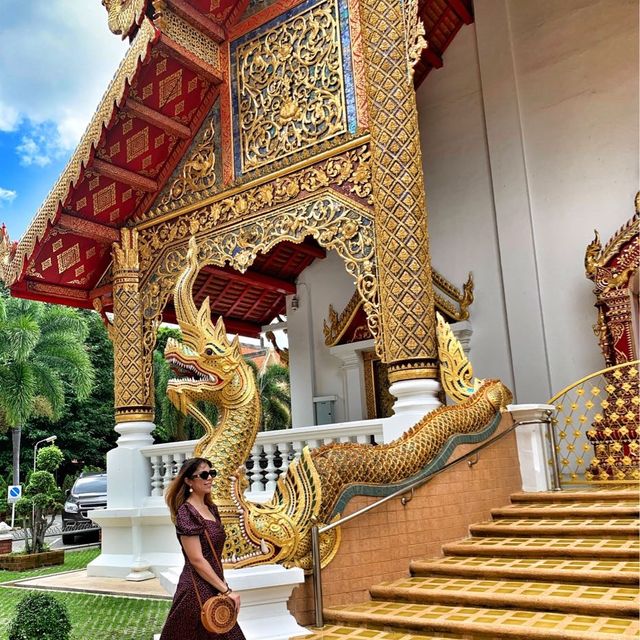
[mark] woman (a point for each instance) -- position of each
(193, 513)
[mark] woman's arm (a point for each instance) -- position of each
(193, 549)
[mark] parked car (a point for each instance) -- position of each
(89, 492)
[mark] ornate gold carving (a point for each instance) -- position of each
(133, 335)
(349, 171)
(406, 293)
(336, 222)
(267, 175)
(338, 324)
(414, 34)
(290, 87)
(315, 487)
(187, 36)
(80, 158)
(456, 372)
(124, 15)
(376, 386)
(196, 178)
(399, 371)
(611, 269)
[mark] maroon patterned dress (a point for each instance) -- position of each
(183, 622)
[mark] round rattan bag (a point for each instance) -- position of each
(218, 614)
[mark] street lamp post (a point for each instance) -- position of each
(33, 507)
(35, 447)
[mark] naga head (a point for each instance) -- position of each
(207, 358)
(124, 15)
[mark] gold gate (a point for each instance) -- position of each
(595, 428)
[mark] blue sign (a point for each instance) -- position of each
(14, 493)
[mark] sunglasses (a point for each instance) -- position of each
(205, 475)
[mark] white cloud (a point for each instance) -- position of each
(6, 195)
(56, 60)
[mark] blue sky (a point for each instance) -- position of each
(56, 60)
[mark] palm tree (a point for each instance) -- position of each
(41, 348)
(275, 396)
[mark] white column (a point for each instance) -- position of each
(513, 210)
(534, 449)
(350, 355)
(301, 361)
(415, 398)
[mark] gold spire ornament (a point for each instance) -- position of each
(456, 372)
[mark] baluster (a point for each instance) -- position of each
(297, 446)
(256, 476)
(312, 444)
(284, 447)
(156, 477)
(270, 470)
(167, 471)
(363, 439)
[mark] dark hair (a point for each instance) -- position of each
(178, 490)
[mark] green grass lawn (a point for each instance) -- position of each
(72, 560)
(93, 616)
(97, 617)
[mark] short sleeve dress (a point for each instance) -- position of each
(183, 621)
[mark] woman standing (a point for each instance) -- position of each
(193, 513)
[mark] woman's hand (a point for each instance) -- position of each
(236, 599)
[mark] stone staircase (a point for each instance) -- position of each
(560, 565)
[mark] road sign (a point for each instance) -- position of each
(14, 493)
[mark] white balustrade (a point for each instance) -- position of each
(270, 456)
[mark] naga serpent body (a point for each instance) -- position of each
(316, 487)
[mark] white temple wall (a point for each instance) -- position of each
(313, 370)
(530, 141)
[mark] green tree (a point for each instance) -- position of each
(275, 396)
(86, 430)
(42, 499)
(41, 347)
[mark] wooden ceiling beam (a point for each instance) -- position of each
(254, 279)
(88, 229)
(157, 119)
(461, 10)
(309, 249)
(186, 58)
(241, 327)
(198, 20)
(57, 291)
(119, 174)
(432, 57)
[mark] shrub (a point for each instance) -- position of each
(49, 459)
(39, 616)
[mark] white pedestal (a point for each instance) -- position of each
(415, 398)
(533, 448)
(264, 592)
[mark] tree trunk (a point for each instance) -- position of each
(16, 433)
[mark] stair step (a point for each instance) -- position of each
(613, 528)
(584, 571)
(334, 632)
(491, 623)
(569, 598)
(562, 510)
(542, 547)
(592, 495)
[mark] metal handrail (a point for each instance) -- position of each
(316, 530)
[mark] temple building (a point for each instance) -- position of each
(339, 171)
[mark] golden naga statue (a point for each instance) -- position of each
(316, 487)
(124, 15)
